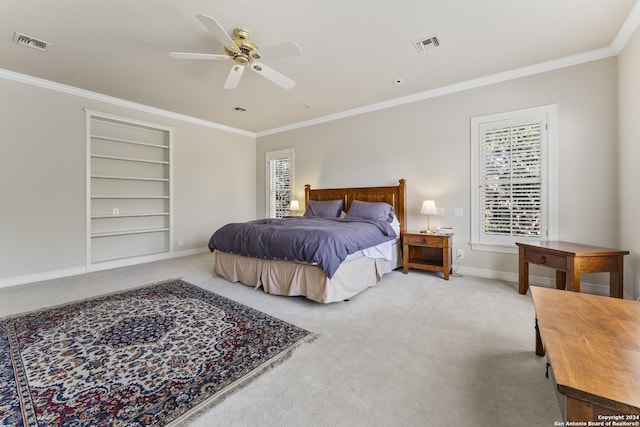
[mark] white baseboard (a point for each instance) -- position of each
(39, 277)
(549, 282)
(109, 265)
(75, 271)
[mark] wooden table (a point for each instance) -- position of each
(592, 344)
(427, 251)
(570, 260)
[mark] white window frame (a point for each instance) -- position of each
(274, 155)
(549, 214)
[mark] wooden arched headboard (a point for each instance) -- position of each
(394, 195)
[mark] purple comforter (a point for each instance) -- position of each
(322, 241)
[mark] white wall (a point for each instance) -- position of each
(428, 143)
(629, 119)
(219, 176)
(43, 176)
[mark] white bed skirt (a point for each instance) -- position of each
(289, 278)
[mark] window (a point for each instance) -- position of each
(513, 178)
(279, 182)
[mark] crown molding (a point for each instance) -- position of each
(517, 73)
(628, 28)
(71, 90)
(632, 22)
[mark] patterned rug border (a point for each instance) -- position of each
(215, 399)
(238, 385)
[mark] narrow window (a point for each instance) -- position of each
(279, 169)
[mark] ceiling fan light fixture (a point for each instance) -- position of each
(241, 59)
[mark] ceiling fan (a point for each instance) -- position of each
(244, 53)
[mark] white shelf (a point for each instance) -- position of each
(130, 255)
(129, 197)
(129, 232)
(129, 215)
(128, 170)
(129, 178)
(129, 159)
(129, 141)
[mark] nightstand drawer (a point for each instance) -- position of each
(550, 260)
(426, 240)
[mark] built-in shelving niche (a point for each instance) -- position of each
(129, 208)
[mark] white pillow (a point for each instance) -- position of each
(395, 224)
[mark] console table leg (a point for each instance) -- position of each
(615, 284)
(523, 273)
(573, 275)
(561, 279)
(539, 347)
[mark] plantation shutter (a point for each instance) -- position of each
(279, 183)
(511, 178)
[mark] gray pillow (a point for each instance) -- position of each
(370, 210)
(324, 208)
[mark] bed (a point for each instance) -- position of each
(279, 274)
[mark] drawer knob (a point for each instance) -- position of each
(544, 259)
(424, 240)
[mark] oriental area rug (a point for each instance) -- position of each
(150, 356)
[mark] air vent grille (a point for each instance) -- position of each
(426, 43)
(29, 41)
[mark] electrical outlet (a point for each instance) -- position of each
(180, 242)
(457, 212)
(460, 254)
(116, 211)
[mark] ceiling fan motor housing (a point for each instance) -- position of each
(245, 47)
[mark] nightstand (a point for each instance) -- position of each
(427, 251)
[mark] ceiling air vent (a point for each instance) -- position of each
(29, 41)
(427, 43)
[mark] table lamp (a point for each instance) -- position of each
(428, 209)
(294, 206)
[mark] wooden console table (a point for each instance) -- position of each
(570, 260)
(592, 344)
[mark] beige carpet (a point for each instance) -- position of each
(413, 351)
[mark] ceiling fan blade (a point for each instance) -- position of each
(187, 55)
(282, 50)
(219, 32)
(234, 76)
(273, 75)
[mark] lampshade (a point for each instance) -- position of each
(429, 208)
(294, 206)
